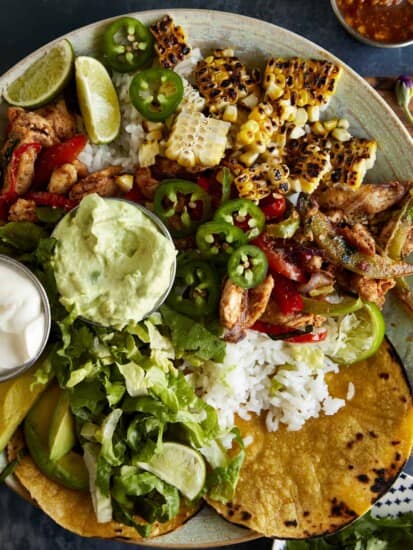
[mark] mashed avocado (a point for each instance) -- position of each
(111, 263)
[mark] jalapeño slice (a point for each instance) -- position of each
(242, 213)
(127, 45)
(182, 205)
(156, 93)
(218, 240)
(196, 289)
(248, 266)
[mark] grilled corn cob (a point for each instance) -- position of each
(350, 161)
(197, 140)
(304, 82)
(192, 99)
(262, 180)
(150, 148)
(223, 80)
(309, 168)
(170, 42)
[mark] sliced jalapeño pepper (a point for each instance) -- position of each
(242, 213)
(182, 205)
(196, 289)
(127, 45)
(218, 240)
(248, 266)
(156, 93)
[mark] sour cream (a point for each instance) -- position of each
(22, 318)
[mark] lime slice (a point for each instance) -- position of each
(44, 79)
(98, 100)
(180, 466)
(361, 333)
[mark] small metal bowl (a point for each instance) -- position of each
(364, 39)
(7, 374)
(163, 230)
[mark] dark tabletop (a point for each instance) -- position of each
(27, 24)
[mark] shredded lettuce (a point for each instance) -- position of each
(102, 504)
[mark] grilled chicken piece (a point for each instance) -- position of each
(63, 178)
(63, 122)
(304, 82)
(240, 308)
(146, 183)
(25, 127)
(170, 42)
(371, 290)
(23, 210)
(223, 80)
(101, 182)
(369, 199)
(360, 237)
(274, 316)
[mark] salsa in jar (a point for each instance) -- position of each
(387, 21)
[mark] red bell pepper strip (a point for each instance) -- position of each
(275, 209)
(44, 198)
(278, 259)
(308, 338)
(56, 155)
(288, 298)
(288, 334)
(135, 195)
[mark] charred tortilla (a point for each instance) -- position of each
(73, 510)
(314, 481)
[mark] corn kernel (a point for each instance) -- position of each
(340, 134)
(230, 113)
(248, 158)
(297, 132)
(318, 129)
(274, 91)
(343, 123)
(313, 113)
(301, 117)
(124, 182)
(329, 125)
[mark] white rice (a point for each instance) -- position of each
(260, 374)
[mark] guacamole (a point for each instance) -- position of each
(111, 263)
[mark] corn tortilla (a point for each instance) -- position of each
(73, 510)
(316, 480)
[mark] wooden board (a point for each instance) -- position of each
(385, 87)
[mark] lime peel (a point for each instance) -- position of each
(180, 466)
(44, 79)
(98, 100)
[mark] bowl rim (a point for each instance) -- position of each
(360, 37)
(18, 267)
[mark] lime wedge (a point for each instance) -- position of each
(98, 100)
(362, 333)
(44, 79)
(180, 466)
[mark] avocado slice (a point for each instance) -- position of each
(70, 469)
(62, 429)
(17, 397)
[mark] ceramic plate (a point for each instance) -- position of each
(355, 100)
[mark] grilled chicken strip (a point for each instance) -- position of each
(240, 308)
(101, 182)
(369, 199)
(61, 120)
(371, 290)
(274, 316)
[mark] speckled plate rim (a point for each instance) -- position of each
(398, 143)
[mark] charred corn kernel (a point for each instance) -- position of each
(147, 153)
(301, 117)
(340, 134)
(250, 101)
(318, 128)
(309, 168)
(297, 132)
(230, 113)
(124, 182)
(350, 161)
(249, 157)
(329, 125)
(197, 140)
(170, 42)
(151, 126)
(303, 81)
(223, 80)
(261, 180)
(154, 135)
(343, 123)
(313, 112)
